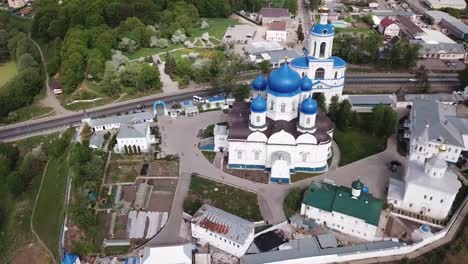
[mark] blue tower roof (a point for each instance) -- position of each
(258, 104)
(322, 29)
(309, 106)
(259, 83)
(284, 80)
(306, 84)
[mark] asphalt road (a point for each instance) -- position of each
(368, 82)
(50, 123)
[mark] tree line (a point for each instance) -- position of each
(21, 89)
(366, 49)
(382, 121)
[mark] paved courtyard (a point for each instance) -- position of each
(179, 137)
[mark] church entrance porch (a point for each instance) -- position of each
(280, 167)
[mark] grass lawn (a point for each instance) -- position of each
(357, 145)
(49, 211)
(123, 171)
(299, 176)
(205, 53)
(236, 201)
(217, 28)
(209, 155)
(7, 71)
(355, 31)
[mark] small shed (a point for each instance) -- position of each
(56, 86)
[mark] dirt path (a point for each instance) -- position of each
(32, 217)
(50, 99)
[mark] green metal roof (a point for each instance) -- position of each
(333, 198)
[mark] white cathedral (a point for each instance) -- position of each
(428, 187)
(281, 129)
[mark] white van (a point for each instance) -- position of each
(198, 99)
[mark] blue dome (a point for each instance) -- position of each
(309, 106)
(258, 104)
(284, 80)
(425, 228)
(322, 29)
(306, 84)
(259, 83)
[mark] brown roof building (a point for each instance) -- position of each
(268, 15)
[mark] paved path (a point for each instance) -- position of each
(179, 136)
(168, 85)
(336, 156)
(50, 100)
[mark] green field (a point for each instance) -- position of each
(357, 145)
(49, 209)
(7, 71)
(236, 201)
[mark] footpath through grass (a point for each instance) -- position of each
(357, 145)
(7, 71)
(233, 200)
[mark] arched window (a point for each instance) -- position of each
(283, 107)
(303, 73)
(315, 47)
(319, 73)
(294, 105)
(258, 119)
(272, 105)
(323, 45)
(304, 156)
(307, 120)
(420, 149)
(336, 75)
(257, 154)
(239, 154)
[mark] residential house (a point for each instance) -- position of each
(452, 25)
(434, 44)
(276, 31)
(222, 230)
(389, 28)
(408, 28)
(16, 3)
(56, 86)
(365, 103)
(268, 15)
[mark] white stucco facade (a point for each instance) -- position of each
(133, 137)
(428, 187)
(276, 35)
(326, 71)
(222, 230)
(341, 222)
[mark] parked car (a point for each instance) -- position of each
(412, 80)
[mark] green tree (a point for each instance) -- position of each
(293, 201)
(422, 76)
(300, 34)
(463, 77)
(4, 53)
(343, 116)
(71, 73)
(292, 6)
(241, 92)
(321, 102)
(15, 183)
(314, 4)
(96, 64)
(333, 108)
(170, 66)
(265, 67)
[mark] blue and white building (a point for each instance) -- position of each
(327, 72)
(281, 130)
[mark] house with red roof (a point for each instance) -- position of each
(389, 28)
